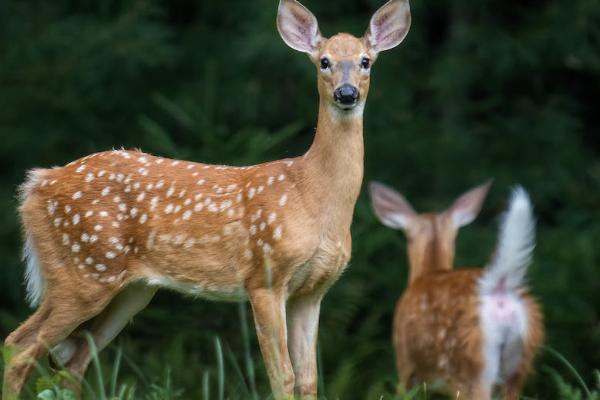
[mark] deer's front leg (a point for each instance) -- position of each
(303, 326)
(268, 306)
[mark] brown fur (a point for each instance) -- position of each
(436, 330)
(278, 233)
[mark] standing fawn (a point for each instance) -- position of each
(104, 232)
(474, 330)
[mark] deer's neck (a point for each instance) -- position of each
(334, 165)
(431, 256)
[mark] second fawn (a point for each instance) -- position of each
(105, 231)
(474, 331)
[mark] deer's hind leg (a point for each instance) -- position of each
(103, 328)
(56, 318)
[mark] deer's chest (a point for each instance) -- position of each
(323, 268)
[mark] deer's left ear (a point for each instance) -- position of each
(389, 25)
(464, 209)
(298, 27)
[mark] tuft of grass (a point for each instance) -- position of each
(123, 379)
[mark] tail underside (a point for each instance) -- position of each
(34, 279)
(515, 246)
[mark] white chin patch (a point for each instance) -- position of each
(344, 111)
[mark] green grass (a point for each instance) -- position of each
(229, 375)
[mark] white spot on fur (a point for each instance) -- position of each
(277, 232)
(52, 206)
(283, 200)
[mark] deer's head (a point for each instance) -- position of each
(343, 61)
(431, 236)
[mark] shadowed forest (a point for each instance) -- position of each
(487, 89)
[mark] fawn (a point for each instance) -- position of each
(104, 232)
(473, 330)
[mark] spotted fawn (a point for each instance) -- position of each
(474, 331)
(105, 231)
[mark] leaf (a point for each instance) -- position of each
(47, 394)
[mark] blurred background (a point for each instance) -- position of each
(479, 89)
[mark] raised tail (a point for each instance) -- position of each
(506, 271)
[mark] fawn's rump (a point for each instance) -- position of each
(452, 335)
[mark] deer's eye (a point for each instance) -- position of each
(365, 63)
(325, 64)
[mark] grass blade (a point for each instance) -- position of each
(115, 372)
(97, 366)
(220, 369)
(570, 367)
(248, 361)
(206, 385)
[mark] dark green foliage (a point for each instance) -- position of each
(479, 89)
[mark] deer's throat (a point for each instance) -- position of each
(334, 162)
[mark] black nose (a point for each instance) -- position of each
(346, 94)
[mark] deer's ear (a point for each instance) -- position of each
(391, 207)
(389, 25)
(298, 27)
(464, 209)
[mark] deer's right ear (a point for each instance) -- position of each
(298, 27)
(391, 207)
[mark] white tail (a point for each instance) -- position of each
(466, 327)
(515, 246)
(34, 280)
(106, 230)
